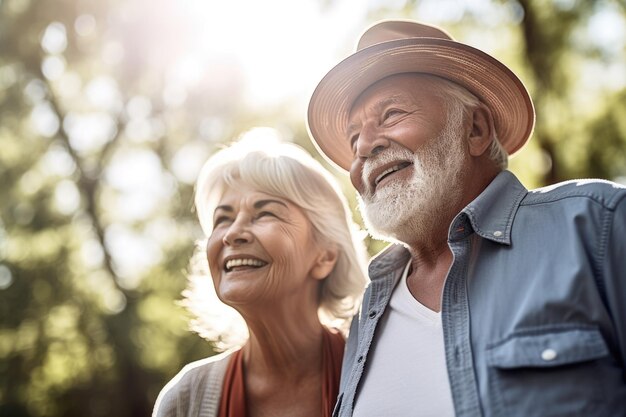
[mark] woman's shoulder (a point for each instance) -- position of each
(196, 387)
(202, 368)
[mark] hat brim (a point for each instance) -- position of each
(487, 78)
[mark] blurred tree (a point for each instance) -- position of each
(104, 122)
(568, 44)
(91, 260)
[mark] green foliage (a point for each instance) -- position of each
(92, 260)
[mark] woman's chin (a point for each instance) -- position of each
(237, 295)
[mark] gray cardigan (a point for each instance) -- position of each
(195, 390)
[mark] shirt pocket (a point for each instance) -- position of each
(551, 372)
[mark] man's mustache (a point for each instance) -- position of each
(386, 156)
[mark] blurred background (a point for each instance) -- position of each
(109, 108)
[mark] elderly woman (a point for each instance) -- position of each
(281, 251)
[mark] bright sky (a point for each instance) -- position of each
(284, 46)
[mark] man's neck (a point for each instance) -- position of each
(427, 276)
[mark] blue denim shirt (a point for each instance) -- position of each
(533, 307)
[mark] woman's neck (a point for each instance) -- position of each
(283, 345)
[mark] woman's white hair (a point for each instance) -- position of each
(456, 95)
(287, 171)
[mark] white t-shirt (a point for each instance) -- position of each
(406, 370)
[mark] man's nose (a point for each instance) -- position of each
(237, 233)
(370, 142)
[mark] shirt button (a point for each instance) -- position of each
(360, 359)
(497, 233)
(372, 314)
(548, 355)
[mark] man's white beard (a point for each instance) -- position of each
(407, 211)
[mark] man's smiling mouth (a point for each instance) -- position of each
(394, 168)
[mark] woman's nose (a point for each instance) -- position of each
(237, 233)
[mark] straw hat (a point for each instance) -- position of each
(399, 46)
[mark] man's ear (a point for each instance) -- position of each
(324, 263)
(482, 127)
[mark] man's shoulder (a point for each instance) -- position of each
(606, 193)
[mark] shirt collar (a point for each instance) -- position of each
(390, 260)
(491, 214)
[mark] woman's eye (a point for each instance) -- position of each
(265, 214)
(220, 220)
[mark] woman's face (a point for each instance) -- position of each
(262, 250)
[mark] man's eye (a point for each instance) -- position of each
(353, 140)
(391, 113)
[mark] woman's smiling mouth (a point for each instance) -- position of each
(235, 264)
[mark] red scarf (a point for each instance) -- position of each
(233, 400)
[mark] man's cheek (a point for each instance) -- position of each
(356, 176)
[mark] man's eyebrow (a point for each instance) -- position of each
(395, 99)
(262, 203)
(379, 105)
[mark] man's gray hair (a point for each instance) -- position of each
(455, 95)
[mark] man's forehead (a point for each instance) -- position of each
(380, 99)
(397, 89)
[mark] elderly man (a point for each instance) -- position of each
(494, 300)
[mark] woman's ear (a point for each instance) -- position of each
(481, 134)
(324, 263)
